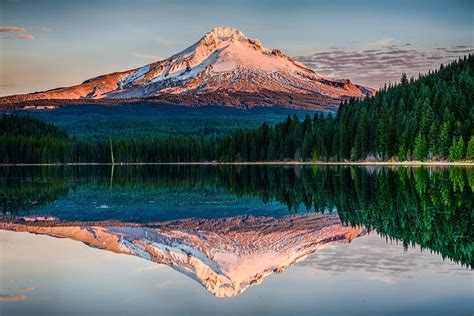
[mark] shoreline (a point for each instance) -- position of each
(255, 163)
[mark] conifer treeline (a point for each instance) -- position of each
(428, 118)
(431, 118)
(30, 141)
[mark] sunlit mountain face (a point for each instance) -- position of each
(224, 67)
(229, 227)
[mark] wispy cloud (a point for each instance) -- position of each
(12, 29)
(12, 298)
(20, 296)
(148, 56)
(379, 65)
(27, 37)
(18, 29)
(386, 41)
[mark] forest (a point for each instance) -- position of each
(428, 118)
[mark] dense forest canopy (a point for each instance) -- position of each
(147, 120)
(430, 118)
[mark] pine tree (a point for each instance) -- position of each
(404, 79)
(470, 149)
(307, 146)
(271, 150)
(433, 140)
(421, 148)
(384, 128)
(456, 152)
(402, 153)
(444, 140)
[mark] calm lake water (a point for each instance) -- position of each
(236, 240)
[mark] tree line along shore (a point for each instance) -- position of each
(428, 120)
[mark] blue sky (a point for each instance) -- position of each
(45, 43)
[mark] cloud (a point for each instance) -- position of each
(12, 29)
(148, 56)
(379, 260)
(20, 296)
(386, 41)
(12, 298)
(16, 29)
(377, 66)
(27, 37)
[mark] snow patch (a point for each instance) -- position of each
(139, 73)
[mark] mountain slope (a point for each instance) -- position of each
(224, 62)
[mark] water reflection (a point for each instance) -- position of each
(430, 207)
(225, 255)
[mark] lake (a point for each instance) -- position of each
(236, 240)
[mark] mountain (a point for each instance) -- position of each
(226, 256)
(223, 67)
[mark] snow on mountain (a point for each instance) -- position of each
(226, 255)
(223, 61)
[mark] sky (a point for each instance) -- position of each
(46, 44)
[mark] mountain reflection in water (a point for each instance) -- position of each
(225, 255)
(230, 226)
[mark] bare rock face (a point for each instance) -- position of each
(226, 256)
(223, 61)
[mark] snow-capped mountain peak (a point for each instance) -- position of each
(224, 61)
(224, 34)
